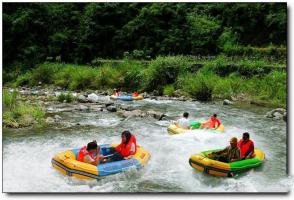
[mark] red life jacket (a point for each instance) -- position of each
(135, 94)
(125, 149)
(214, 123)
(82, 153)
(245, 147)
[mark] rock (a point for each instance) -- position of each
(93, 98)
(35, 92)
(111, 108)
(277, 113)
(97, 108)
(82, 99)
(50, 120)
(227, 102)
(182, 98)
(145, 95)
(57, 94)
(156, 115)
(134, 113)
(82, 107)
(127, 107)
(57, 117)
(109, 103)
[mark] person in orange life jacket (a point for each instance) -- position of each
(90, 154)
(246, 146)
(212, 123)
(124, 150)
(135, 94)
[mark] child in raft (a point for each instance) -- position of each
(90, 154)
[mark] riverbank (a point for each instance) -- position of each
(43, 105)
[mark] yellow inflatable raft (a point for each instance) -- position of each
(66, 163)
(126, 98)
(174, 129)
(204, 164)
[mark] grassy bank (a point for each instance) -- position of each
(17, 114)
(203, 79)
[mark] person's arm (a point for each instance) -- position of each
(250, 152)
(218, 123)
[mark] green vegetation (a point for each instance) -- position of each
(67, 97)
(17, 114)
(222, 77)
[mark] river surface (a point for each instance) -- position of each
(27, 153)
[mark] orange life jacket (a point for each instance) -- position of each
(125, 149)
(82, 153)
(135, 94)
(215, 123)
(245, 147)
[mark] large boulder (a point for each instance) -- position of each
(93, 98)
(277, 113)
(134, 113)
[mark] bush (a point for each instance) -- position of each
(65, 97)
(168, 90)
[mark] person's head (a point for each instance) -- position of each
(233, 142)
(214, 116)
(125, 136)
(92, 146)
(245, 136)
(186, 115)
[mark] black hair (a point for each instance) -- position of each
(186, 114)
(215, 115)
(92, 145)
(128, 136)
(246, 134)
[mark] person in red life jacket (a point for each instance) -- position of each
(135, 94)
(90, 154)
(247, 147)
(124, 150)
(212, 123)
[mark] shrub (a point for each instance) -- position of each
(65, 97)
(168, 90)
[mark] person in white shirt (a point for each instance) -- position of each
(184, 122)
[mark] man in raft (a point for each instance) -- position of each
(246, 146)
(90, 154)
(212, 123)
(231, 153)
(136, 93)
(183, 122)
(124, 150)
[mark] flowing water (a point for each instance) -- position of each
(27, 153)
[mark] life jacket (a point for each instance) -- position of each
(214, 123)
(135, 94)
(82, 153)
(245, 147)
(125, 149)
(116, 93)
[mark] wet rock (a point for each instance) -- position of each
(182, 98)
(81, 108)
(109, 103)
(82, 99)
(134, 113)
(277, 113)
(57, 117)
(97, 108)
(111, 108)
(156, 115)
(50, 120)
(227, 102)
(25, 92)
(126, 107)
(93, 98)
(145, 95)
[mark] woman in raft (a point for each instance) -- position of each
(124, 150)
(212, 123)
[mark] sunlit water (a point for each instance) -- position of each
(27, 153)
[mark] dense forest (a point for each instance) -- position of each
(82, 32)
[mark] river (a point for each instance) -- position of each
(27, 153)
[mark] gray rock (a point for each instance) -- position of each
(156, 115)
(93, 98)
(82, 107)
(82, 99)
(57, 117)
(278, 112)
(109, 103)
(111, 108)
(134, 113)
(97, 108)
(127, 107)
(50, 120)
(227, 102)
